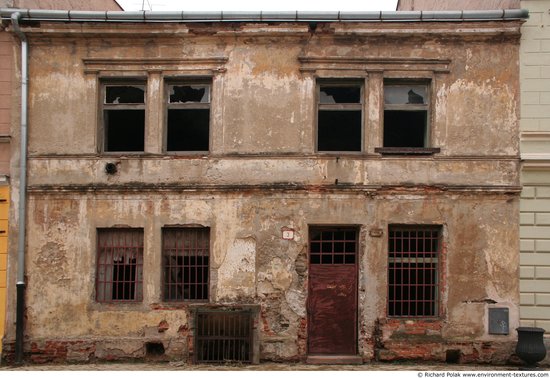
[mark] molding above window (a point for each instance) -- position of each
(210, 65)
(374, 64)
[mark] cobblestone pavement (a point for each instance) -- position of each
(261, 367)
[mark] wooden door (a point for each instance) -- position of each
(332, 297)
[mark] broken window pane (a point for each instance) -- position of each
(406, 115)
(339, 95)
(181, 94)
(339, 130)
(188, 130)
(124, 130)
(125, 94)
(405, 94)
(405, 128)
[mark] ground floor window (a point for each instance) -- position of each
(119, 265)
(413, 271)
(186, 263)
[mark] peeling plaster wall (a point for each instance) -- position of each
(262, 176)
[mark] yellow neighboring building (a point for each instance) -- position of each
(4, 204)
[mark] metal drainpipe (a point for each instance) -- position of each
(20, 309)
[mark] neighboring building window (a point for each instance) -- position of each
(406, 115)
(413, 271)
(188, 118)
(339, 119)
(119, 265)
(124, 117)
(185, 254)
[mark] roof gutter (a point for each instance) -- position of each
(265, 16)
(20, 284)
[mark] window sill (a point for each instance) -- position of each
(407, 150)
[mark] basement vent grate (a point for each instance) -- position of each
(223, 336)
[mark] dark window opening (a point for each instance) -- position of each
(332, 246)
(124, 130)
(123, 118)
(188, 118)
(339, 117)
(223, 336)
(404, 128)
(405, 116)
(188, 129)
(339, 130)
(119, 265)
(413, 271)
(186, 263)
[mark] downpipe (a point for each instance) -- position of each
(20, 284)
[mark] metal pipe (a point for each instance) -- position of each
(20, 308)
(265, 16)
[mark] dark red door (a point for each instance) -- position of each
(332, 299)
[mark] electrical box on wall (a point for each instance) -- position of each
(499, 323)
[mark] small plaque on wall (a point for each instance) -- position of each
(499, 323)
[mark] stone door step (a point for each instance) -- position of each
(334, 360)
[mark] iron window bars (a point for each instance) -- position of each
(413, 271)
(186, 263)
(119, 265)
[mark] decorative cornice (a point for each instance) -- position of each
(96, 65)
(314, 63)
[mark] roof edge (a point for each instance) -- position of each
(264, 16)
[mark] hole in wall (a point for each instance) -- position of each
(452, 356)
(154, 349)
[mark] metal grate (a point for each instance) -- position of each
(413, 271)
(223, 336)
(185, 255)
(332, 246)
(119, 265)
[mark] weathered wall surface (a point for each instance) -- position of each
(262, 174)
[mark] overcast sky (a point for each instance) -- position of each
(249, 5)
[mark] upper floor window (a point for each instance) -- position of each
(339, 116)
(188, 117)
(119, 265)
(406, 115)
(123, 111)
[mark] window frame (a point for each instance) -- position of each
(186, 81)
(103, 106)
(439, 267)
(165, 284)
(102, 269)
(427, 106)
(360, 106)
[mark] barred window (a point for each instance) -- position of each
(186, 263)
(119, 265)
(413, 271)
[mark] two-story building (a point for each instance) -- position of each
(266, 185)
